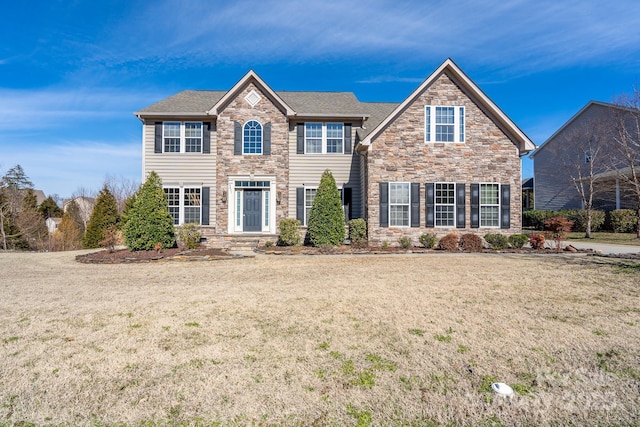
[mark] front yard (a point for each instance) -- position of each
(324, 340)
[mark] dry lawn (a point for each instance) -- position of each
(323, 340)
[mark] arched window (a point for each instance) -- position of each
(252, 141)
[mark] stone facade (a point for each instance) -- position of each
(400, 154)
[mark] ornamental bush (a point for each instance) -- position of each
(496, 240)
(289, 232)
(449, 243)
(404, 242)
(537, 241)
(428, 240)
(326, 218)
(358, 232)
(189, 235)
(623, 220)
(149, 224)
(104, 214)
(579, 218)
(470, 242)
(517, 241)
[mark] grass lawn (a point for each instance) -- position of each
(601, 237)
(359, 340)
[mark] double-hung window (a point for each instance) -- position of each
(309, 197)
(184, 204)
(324, 138)
(252, 138)
(399, 203)
(445, 204)
(182, 137)
(489, 205)
(444, 123)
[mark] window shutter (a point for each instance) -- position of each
(415, 205)
(475, 205)
(346, 201)
(505, 208)
(237, 138)
(205, 206)
(461, 221)
(157, 148)
(429, 204)
(384, 204)
(300, 204)
(348, 141)
(266, 140)
(300, 138)
(206, 138)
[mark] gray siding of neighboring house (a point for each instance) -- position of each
(181, 169)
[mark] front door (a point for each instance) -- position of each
(252, 210)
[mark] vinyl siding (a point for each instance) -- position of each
(181, 169)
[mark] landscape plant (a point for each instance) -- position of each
(557, 228)
(189, 235)
(428, 240)
(289, 232)
(358, 232)
(470, 242)
(104, 214)
(517, 241)
(537, 241)
(149, 223)
(623, 220)
(496, 240)
(326, 218)
(449, 242)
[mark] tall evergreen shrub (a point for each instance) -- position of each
(326, 218)
(104, 214)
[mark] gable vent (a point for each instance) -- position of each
(252, 98)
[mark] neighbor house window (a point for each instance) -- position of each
(252, 138)
(444, 124)
(445, 204)
(489, 205)
(587, 157)
(182, 137)
(399, 204)
(321, 138)
(184, 204)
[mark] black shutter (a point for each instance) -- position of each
(415, 205)
(505, 208)
(266, 140)
(384, 204)
(205, 206)
(237, 138)
(157, 147)
(346, 201)
(429, 204)
(461, 221)
(475, 205)
(206, 138)
(300, 204)
(348, 141)
(300, 138)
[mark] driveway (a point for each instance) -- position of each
(605, 247)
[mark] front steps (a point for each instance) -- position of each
(236, 242)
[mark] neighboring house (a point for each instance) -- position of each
(85, 207)
(52, 224)
(582, 148)
(527, 194)
(239, 161)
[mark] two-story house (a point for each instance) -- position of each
(239, 161)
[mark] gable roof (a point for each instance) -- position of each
(448, 66)
(589, 105)
(187, 102)
(250, 76)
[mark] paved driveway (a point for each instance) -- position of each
(605, 247)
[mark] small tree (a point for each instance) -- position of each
(31, 225)
(326, 218)
(104, 214)
(558, 227)
(73, 211)
(149, 223)
(68, 236)
(50, 209)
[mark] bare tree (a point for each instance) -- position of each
(122, 189)
(627, 142)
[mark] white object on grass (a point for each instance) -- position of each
(502, 389)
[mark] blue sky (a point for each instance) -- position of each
(73, 72)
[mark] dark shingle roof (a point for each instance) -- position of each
(187, 101)
(377, 112)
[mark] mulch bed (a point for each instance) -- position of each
(173, 254)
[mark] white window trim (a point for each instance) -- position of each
(181, 204)
(183, 137)
(324, 138)
(435, 206)
(244, 153)
(306, 218)
(408, 204)
(480, 204)
(430, 124)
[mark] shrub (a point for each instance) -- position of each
(517, 241)
(405, 242)
(536, 218)
(358, 232)
(104, 214)
(449, 242)
(111, 239)
(189, 235)
(428, 240)
(579, 219)
(470, 242)
(558, 227)
(326, 218)
(149, 222)
(537, 241)
(496, 240)
(623, 221)
(289, 233)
